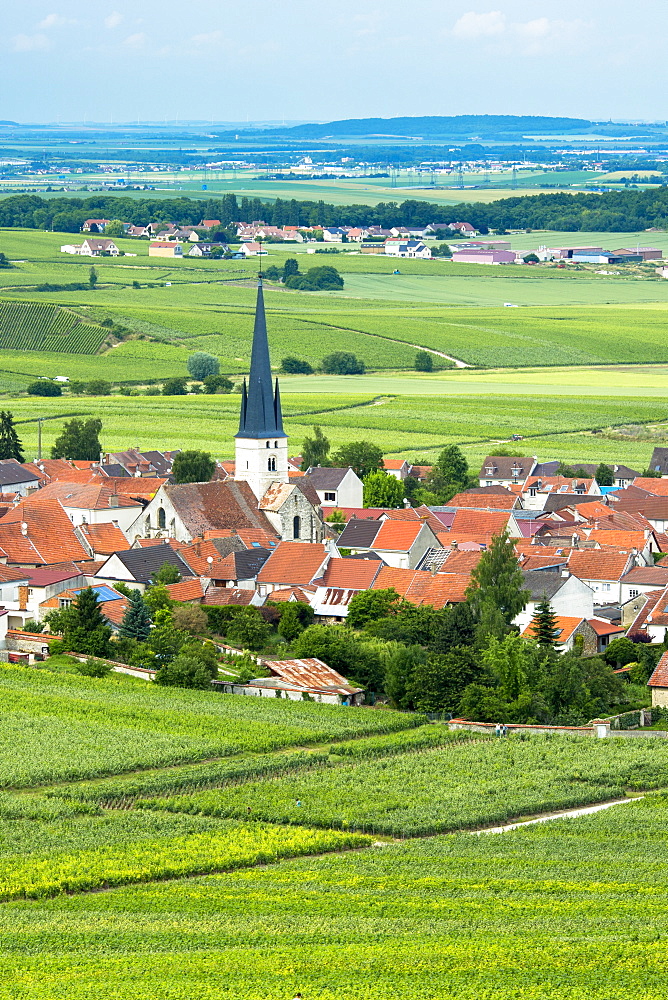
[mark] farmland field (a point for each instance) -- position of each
(94, 900)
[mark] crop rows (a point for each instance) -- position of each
(556, 911)
(431, 791)
(30, 326)
(63, 727)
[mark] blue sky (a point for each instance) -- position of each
(74, 60)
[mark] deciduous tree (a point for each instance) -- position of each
(193, 467)
(360, 456)
(383, 490)
(79, 440)
(315, 450)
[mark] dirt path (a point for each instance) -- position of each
(563, 814)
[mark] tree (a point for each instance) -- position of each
(10, 443)
(165, 641)
(248, 629)
(424, 361)
(371, 605)
(114, 229)
(342, 363)
(157, 598)
(98, 387)
(511, 662)
(136, 622)
(382, 490)
(621, 651)
(458, 629)
(315, 450)
(337, 520)
(3, 261)
(185, 671)
(92, 277)
(175, 386)
(85, 627)
(290, 267)
(442, 250)
(295, 366)
(605, 476)
(272, 273)
(437, 683)
(399, 673)
(290, 625)
(450, 474)
(190, 618)
(193, 467)
(531, 258)
(497, 581)
(79, 440)
(44, 387)
(360, 456)
(200, 365)
(168, 573)
(544, 627)
(316, 279)
(217, 383)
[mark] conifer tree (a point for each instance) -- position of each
(136, 622)
(544, 624)
(10, 444)
(86, 629)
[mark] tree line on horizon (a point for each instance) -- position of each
(612, 211)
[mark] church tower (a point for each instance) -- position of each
(261, 444)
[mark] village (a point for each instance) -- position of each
(265, 531)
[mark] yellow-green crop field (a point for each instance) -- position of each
(223, 847)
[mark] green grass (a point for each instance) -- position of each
(556, 910)
(58, 727)
(457, 786)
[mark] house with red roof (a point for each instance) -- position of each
(88, 503)
(658, 683)
(341, 581)
(400, 543)
(436, 590)
(293, 564)
(602, 570)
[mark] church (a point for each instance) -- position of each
(261, 496)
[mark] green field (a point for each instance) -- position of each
(105, 894)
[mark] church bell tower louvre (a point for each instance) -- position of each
(261, 444)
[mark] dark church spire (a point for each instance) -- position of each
(261, 403)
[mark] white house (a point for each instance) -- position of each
(336, 487)
(567, 594)
(407, 248)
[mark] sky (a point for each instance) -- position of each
(218, 60)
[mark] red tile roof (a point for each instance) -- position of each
(285, 594)
(349, 574)
(397, 536)
(222, 596)
(618, 539)
(104, 538)
(186, 590)
(114, 610)
(605, 628)
(49, 534)
(659, 677)
(565, 625)
(293, 563)
(596, 564)
(420, 587)
(89, 496)
(478, 523)
(657, 487)
(483, 501)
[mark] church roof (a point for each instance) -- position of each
(261, 415)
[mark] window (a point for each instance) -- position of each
(271, 464)
(268, 444)
(489, 482)
(64, 603)
(275, 444)
(162, 520)
(633, 593)
(296, 526)
(330, 496)
(606, 586)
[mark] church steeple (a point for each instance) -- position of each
(261, 415)
(261, 444)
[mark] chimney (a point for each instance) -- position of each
(565, 573)
(23, 598)
(113, 500)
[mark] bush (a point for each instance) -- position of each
(175, 386)
(295, 366)
(44, 387)
(152, 391)
(316, 279)
(217, 383)
(98, 387)
(342, 363)
(94, 668)
(424, 362)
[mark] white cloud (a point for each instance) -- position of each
(136, 41)
(51, 21)
(530, 38)
(473, 25)
(113, 20)
(30, 43)
(207, 38)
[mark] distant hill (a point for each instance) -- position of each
(459, 125)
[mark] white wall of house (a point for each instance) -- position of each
(125, 517)
(574, 599)
(349, 492)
